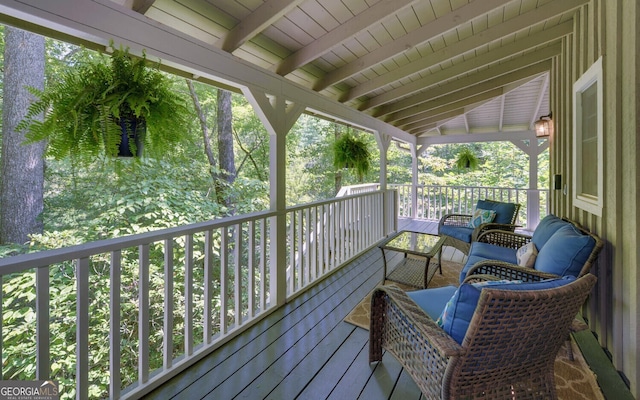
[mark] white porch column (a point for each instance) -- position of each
(414, 181)
(416, 151)
(532, 149)
(278, 116)
(384, 141)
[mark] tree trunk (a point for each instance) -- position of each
(225, 142)
(225, 136)
(205, 131)
(22, 166)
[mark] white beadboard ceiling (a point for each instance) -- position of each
(428, 67)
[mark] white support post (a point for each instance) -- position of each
(414, 180)
(278, 116)
(383, 141)
(533, 194)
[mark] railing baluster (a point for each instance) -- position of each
(82, 328)
(332, 237)
(143, 314)
(224, 280)
(115, 277)
(43, 365)
(299, 251)
(167, 346)
(263, 265)
(238, 274)
(188, 295)
(251, 270)
(207, 333)
(292, 253)
(315, 237)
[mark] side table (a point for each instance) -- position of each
(413, 271)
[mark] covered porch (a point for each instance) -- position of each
(451, 72)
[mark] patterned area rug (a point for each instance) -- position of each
(574, 379)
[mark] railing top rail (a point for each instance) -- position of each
(469, 187)
(363, 187)
(44, 258)
(335, 199)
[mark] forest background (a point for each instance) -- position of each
(221, 170)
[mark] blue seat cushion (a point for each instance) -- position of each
(458, 312)
(545, 229)
(565, 252)
(504, 211)
(484, 251)
(458, 232)
(432, 301)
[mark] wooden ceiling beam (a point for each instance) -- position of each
(536, 112)
(422, 123)
(343, 32)
(142, 6)
(471, 90)
(418, 127)
(436, 114)
(412, 39)
(476, 137)
(492, 74)
(485, 59)
(496, 32)
(262, 17)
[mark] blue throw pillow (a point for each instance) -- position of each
(458, 312)
(480, 217)
(565, 252)
(546, 228)
(504, 211)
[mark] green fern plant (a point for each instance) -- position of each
(467, 159)
(89, 108)
(352, 152)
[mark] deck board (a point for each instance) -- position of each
(303, 350)
(337, 366)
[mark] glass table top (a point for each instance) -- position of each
(413, 243)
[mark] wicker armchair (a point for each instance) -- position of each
(508, 350)
(504, 270)
(457, 233)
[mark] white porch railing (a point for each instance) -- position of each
(435, 201)
(174, 295)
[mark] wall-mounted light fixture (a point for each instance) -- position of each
(544, 126)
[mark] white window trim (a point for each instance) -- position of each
(588, 202)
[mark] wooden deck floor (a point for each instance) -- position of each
(305, 350)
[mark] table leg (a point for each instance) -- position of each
(384, 263)
(426, 273)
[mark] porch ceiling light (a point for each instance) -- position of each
(544, 126)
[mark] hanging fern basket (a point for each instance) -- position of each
(352, 152)
(467, 159)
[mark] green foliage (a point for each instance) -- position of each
(351, 151)
(84, 109)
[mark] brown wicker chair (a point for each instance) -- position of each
(455, 227)
(508, 351)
